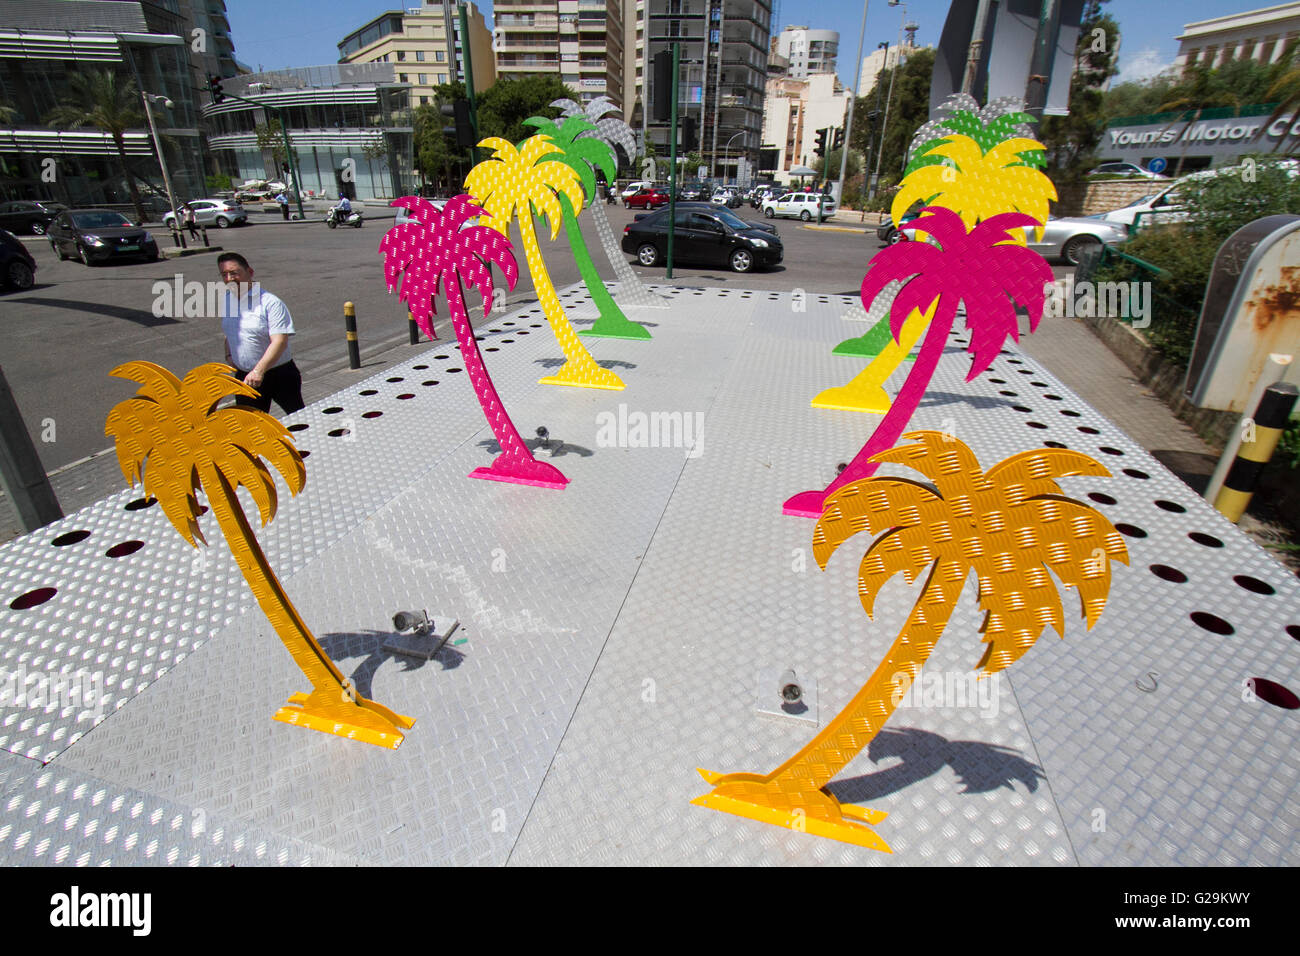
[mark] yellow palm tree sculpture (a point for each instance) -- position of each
(516, 184)
(170, 435)
(1011, 525)
(978, 185)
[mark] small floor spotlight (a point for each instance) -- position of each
(417, 621)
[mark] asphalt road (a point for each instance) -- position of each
(60, 340)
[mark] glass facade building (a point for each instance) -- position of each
(349, 126)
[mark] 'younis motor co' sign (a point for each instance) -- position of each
(1217, 136)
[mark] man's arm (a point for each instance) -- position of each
(279, 342)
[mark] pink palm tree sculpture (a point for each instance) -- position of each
(438, 249)
(983, 268)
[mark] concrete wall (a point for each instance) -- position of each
(1104, 196)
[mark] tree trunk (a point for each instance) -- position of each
(120, 142)
(579, 368)
(612, 323)
(515, 463)
(333, 698)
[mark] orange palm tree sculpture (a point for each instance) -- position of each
(514, 184)
(169, 435)
(1011, 525)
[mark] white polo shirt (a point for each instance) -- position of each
(250, 321)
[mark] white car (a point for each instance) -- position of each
(1166, 205)
(207, 212)
(1127, 170)
(404, 215)
(801, 204)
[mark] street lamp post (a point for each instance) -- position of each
(726, 150)
(853, 104)
(162, 161)
(889, 97)
(876, 132)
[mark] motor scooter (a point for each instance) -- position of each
(334, 218)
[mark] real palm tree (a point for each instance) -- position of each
(436, 249)
(1012, 525)
(99, 98)
(1286, 87)
(618, 135)
(983, 268)
(172, 437)
(582, 153)
(513, 184)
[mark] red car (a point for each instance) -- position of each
(648, 199)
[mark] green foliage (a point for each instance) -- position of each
(1288, 450)
(1217, 207)
(909, 108)
(100, 99)
(1072, 140)
(503, 107)
(269, 136)
(437, 157)
(219, 183)
(829, 167)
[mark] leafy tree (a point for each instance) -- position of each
(503, 107)
(100, 99)
(829, 167)
(1071, 141)
(437, 156)
(270, 137)
(909, 108)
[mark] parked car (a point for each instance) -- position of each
(647, 199)
(1126, 170)
(631, 189)
(727, 197)
(1066, 239)
(404, 215)
(17, 267)
(723, 214)
(801, 204)
(29, 215)
(97, 235)
(207, 212)
(710, 236)
(692, 192)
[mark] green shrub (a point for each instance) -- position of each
(219, 183)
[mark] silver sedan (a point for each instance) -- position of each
(1069, 238)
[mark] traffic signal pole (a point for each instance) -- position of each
(672, 157)
(469, 82)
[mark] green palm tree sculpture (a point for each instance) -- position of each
(98, 98)
(618, 135)
(581, 154)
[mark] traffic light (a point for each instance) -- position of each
(463, 130)
(839, 138)
(214, 87)
(663, 88)
(690, 138)
(820, 149)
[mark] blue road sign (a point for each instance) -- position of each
(1158, 165)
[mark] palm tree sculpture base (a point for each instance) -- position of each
(866, 392)
(308, 710)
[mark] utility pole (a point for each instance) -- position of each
(469, 81)
(838, 190)
(672, 155)
(976, 48)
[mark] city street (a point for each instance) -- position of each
(64, 336)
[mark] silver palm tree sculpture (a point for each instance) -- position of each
(619, 137)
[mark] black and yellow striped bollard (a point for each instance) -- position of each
(350, 323)
(1268, 424)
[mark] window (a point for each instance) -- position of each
(419, 56)
(424, 101)
(440, 56)
(442, 77)
(401, 56)
(401, 78)
(424, 79)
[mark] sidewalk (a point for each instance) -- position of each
(618, 633)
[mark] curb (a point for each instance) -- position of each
(175, 253)
(825, 228)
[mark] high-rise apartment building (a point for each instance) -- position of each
(580, 41)
(809, 51)
(723, 69)
(424, 46)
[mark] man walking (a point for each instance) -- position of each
(283, 200)
(257, 326)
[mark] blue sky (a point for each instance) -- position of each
(306, 32)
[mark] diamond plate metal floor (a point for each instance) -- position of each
(613, 631)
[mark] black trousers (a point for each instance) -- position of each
(284, 208)
(282, 383)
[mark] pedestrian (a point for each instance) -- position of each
(257, 326)
(283, 200)
(191, 223)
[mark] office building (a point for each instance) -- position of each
(581, 42)
(424, 47)
(1260, 35)
(808, 51)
